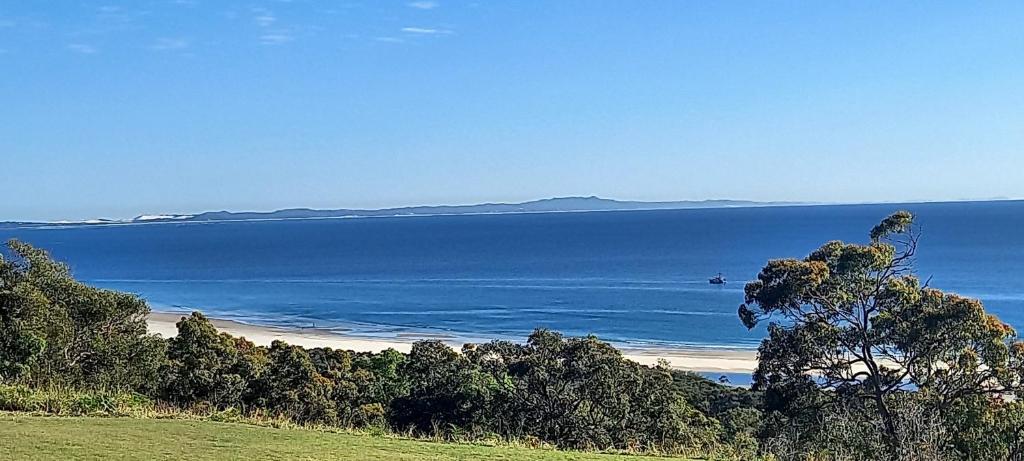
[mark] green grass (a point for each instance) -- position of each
(60, 438)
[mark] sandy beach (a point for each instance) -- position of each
(694, 359)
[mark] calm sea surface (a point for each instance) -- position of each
(638, 276)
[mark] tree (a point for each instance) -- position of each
(204, 365)
(856, 320)
(59, 330)
(446, 392)
(581, 393)
(735, 407)
(20, 303)
(290, 386)
(981, 428)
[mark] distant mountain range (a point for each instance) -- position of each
(551, 205)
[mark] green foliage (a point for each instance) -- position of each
(446, 393)
(711, 397)
(291, 386)
(57, 330)
(569, 392)
(379, 376)
(206, 366)
(736, 408)
(984, 428)
(891, 352)
(896, 223)
(581, 393)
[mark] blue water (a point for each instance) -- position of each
(638, 276)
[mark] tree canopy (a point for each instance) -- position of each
(57, 330)
(855, 319)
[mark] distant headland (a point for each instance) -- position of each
(549, 205)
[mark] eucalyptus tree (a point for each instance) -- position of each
(856, 320)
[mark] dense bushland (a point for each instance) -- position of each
(570, 392)
(862, 361)
(579, 393)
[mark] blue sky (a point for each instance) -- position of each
(117, 109)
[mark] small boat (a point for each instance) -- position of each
(717, 280)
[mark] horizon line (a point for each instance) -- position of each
(154, 218)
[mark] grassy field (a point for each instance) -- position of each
(48, 438)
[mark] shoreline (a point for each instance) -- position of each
(685, 358)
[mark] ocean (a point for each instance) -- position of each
(636, 277)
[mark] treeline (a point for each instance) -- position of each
(862, 361)
(577, 393)
(571, 392)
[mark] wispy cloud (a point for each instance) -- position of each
(426, 31)
(263, 17)
(276, 38)
(165, 44)
(82, 48)
(389, 39)
(110, 19)
(116, 14)
(423, 5)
